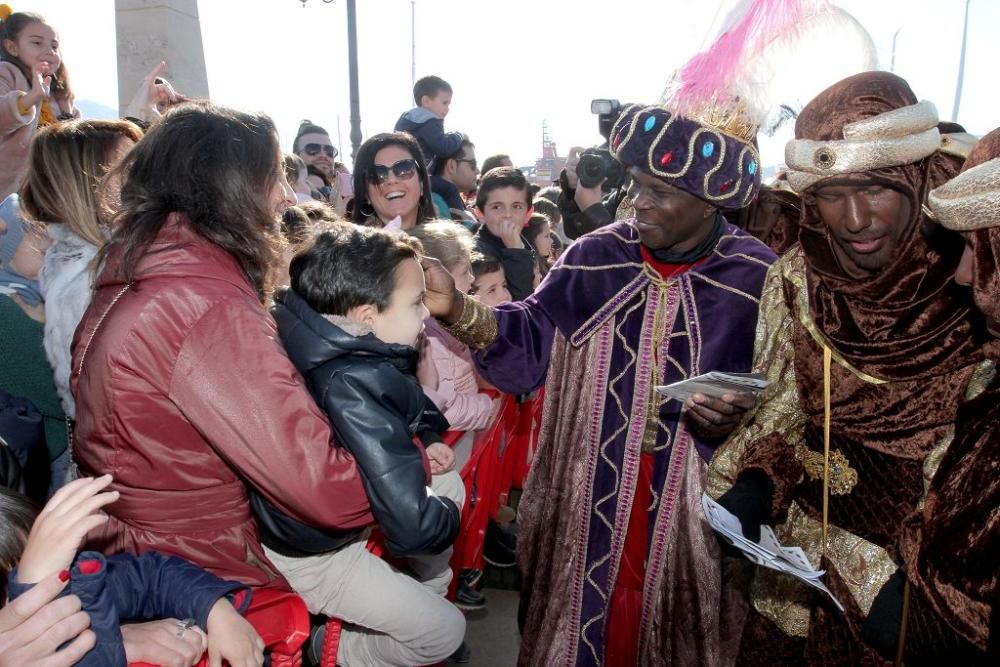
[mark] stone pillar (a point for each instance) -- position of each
(153, 30)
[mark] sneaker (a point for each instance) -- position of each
(468, 598)
(470, 577)
(462, 654)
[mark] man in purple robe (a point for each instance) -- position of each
(619, 565)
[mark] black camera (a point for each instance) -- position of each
(596, 165)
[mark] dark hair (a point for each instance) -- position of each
(17, 513)
(295, 225)
(429, 86)
(318, 211)
(534, 227)
(313, 170)
(293, 166)
(502, 177)
(215, 166)
(549, 193)
(364, 166)
(481, 266)
(494, 161)
(547, 208)
(61, 90)
(306, 127)
(441, 162)
(349, 266)
(484, 264)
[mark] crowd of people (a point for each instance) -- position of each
(226, 368)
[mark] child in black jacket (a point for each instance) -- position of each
(350, 323)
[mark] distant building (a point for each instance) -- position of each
(547, 168)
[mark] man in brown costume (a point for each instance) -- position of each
(862, 330)
(951, 545)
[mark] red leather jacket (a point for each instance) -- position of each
(183, 393)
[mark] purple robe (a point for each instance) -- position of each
(600, 332)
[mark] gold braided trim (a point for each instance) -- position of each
(794, 271)
(477, 327)
(969, 201)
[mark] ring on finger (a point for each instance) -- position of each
(185, 625)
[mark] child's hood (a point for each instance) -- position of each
(419, 115)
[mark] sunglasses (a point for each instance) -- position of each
(404, 170)
(312, 150)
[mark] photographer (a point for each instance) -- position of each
(593, 183)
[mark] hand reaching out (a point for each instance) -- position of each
(153, 96)
(65, 520)
(232, 638)
(442, 457)
(41, 84)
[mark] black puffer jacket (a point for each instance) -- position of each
(369, 391)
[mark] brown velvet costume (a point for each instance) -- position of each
(905, 351)
(773, 217)
(951, 545)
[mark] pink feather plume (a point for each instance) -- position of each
(716, 76)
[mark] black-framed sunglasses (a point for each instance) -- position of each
(312, 150)
(403, 170)
(472, 162)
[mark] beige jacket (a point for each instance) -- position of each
(16, 130)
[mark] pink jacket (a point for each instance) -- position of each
(457, 393)
(16, 130)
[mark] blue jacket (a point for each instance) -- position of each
(125, 587)
(429, 132)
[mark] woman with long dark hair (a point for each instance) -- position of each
(390, 181)
(182, 389)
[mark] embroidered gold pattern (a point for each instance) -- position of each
(843, 477)
(779, 408)
(862, 566)
(477, 327)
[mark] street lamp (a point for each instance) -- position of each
(352, 64)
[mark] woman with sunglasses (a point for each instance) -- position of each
(390, 181)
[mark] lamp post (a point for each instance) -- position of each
(352, 64)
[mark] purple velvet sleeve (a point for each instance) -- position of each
(518, 359)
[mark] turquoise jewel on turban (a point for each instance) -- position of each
(650, 124)
(708, 149)
(752, 167)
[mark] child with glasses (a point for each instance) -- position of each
(351, 323)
